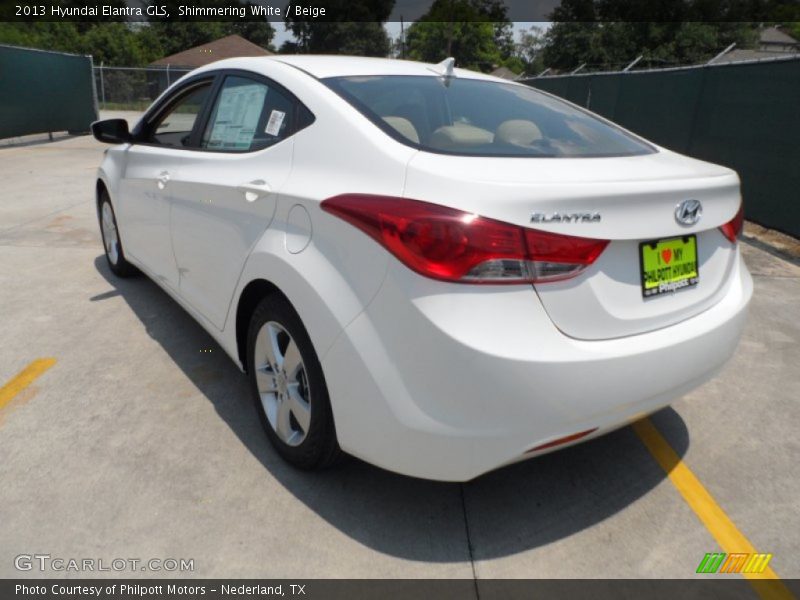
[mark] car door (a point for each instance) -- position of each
(224, 194)
(144, 202)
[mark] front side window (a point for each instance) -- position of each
(248, 115)
(174, 126)
(472, 117)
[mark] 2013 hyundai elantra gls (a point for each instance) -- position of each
(431, 269)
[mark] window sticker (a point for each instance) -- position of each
(237, 117)
(275, 122)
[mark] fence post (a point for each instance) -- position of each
(102, 86)
(723, 53)
(95, 100)
(632, 64)
(168, 81)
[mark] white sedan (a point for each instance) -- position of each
(434, 270)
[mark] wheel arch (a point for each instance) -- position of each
(100, 187)
(255, 291)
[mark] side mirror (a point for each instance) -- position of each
(112, 131)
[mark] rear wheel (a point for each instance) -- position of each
(288, 386)
(111, 240)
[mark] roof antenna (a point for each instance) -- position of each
(444, 69)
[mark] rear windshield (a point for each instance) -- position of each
(471, 117)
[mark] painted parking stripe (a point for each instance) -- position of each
(24, 378)
(766, 584)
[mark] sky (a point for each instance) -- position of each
(393, 28)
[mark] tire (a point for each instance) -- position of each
(288, 386)
(112, 243)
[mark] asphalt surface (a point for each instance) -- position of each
(141, 440)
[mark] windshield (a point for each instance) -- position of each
(471, 117)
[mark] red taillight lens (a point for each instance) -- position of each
(452, 245)
(733, 228)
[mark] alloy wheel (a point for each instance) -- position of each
(110, 237)
(282, 383)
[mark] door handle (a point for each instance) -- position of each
(253, 190)
(162, 180)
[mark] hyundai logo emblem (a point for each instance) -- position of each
(688, 212)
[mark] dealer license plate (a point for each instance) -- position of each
(668, 265)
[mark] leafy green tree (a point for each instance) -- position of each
(258, 32)
(471, 44)
(366, 38)
(529, 51)
(610, 45)
(61, 36)
(358, 30)
(477, 33)
(115, 44)
(793, 29)
(607, 34)
(181, 33)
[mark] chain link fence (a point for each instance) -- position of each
(132, 88)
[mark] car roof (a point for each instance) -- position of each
(322, 66)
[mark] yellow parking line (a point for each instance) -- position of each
(24, 378)
(767, 584)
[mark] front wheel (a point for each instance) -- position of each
(111, 240)
(289, 387)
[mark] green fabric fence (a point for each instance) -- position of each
(742, 115)
(42, 92)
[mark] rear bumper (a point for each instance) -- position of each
(447, 382)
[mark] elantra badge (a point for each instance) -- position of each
(688, 212)
(576, 217)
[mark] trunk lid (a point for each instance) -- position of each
(635, 198)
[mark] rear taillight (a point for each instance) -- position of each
(733, 228)
(448, 244)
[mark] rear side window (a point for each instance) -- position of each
(472, 117)
(248, 115)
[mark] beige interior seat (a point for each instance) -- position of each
(460, 135)
(404, 127)
(517, 132)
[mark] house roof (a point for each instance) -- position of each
(773, 35)
(504, 73)
(230, 46)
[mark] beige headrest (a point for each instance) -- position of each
(460, 135)
(404, 127)
(518, 132)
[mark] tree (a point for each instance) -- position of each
(529, 50)
(354, 38)
(113, 43)
(611, 45)
(477, 33)
(61, 36)
(608, 34)
(471, 44)
(358, 30)
(181, 33)
(792, 29)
